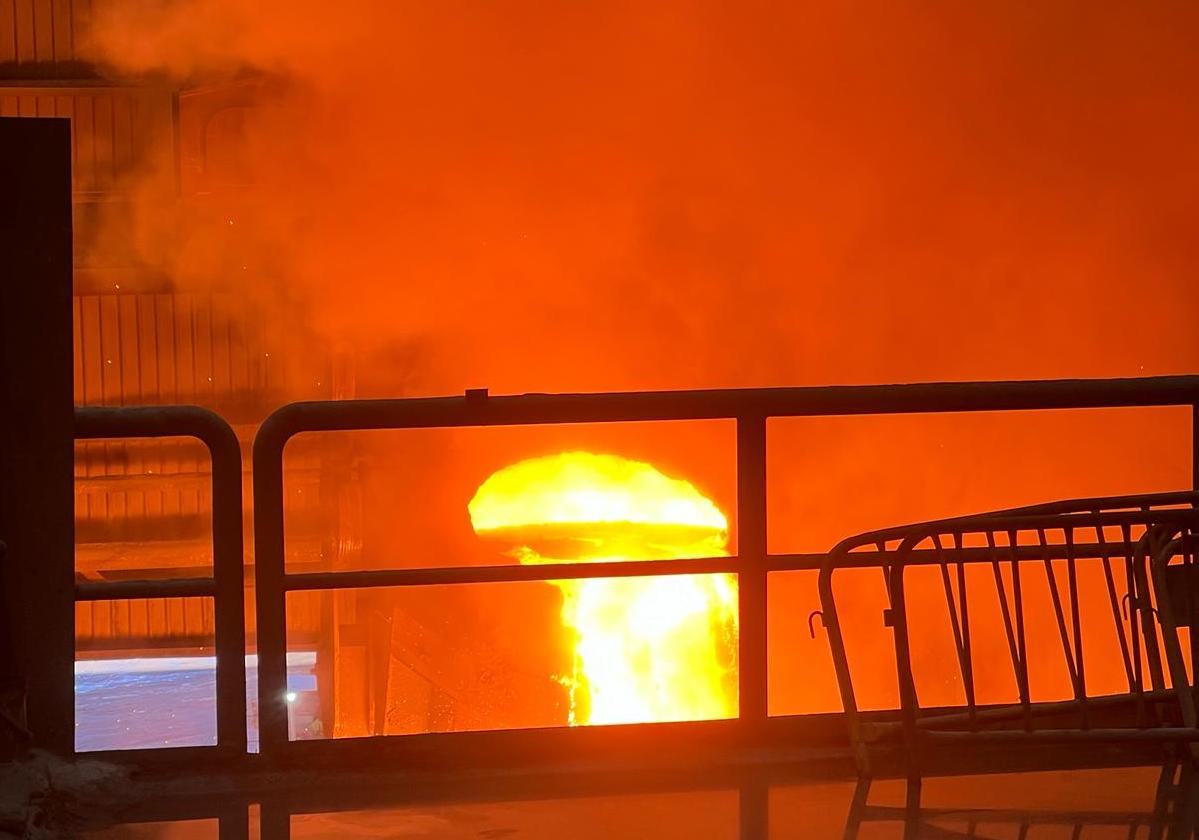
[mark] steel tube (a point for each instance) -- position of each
(228, 577)
(506, 574)
(750, 408)
(443, 575)
(751, 582)
(1167, 735)
(538, 409)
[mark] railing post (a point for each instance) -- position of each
(751, 579)
(228, 572)
(1195, 445)
(270, 597)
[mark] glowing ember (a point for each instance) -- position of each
(646, 648)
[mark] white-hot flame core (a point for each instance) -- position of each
(646, 648)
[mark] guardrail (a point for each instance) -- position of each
(1071, 531)
(226, 585)
(749, 408)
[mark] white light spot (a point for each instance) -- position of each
(290, 697)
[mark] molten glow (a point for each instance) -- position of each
(646, 648)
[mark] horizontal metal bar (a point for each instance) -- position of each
(642, 568)
(981, 554)
(1016, 711)
(681, 743)
(1052, 522)
(710, 565)
(897, 813)
(97, 422)
(1104, 506)
(526, 409)
(508, 574)
(1065, 736)
(120, 590)
(799, 562)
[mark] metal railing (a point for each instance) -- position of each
(226, 585)
(1121, 537)
(749, 408)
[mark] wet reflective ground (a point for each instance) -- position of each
(1126, 804)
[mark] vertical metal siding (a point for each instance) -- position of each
(42, 36)
(113, 130)
(144, 505)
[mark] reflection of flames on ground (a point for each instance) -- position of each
(645, 648)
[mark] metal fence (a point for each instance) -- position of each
(1124, 538)
(226, 585)
(749, 408)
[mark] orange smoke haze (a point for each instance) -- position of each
(600, 196)
(608, 196)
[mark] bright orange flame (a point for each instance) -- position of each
(646, 648)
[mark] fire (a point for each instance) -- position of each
(645, 648)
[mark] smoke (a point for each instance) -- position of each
(607, 196)
(604, 195)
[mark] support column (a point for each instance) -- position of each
(751, 578)
(36, 425)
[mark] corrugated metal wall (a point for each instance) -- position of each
(126, 625)
(113, 129)
(143, 507)
(42, 35)
(149, 348)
